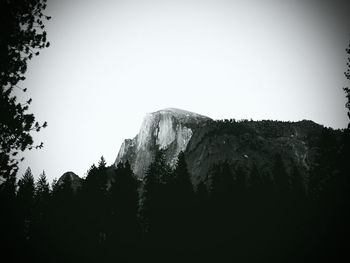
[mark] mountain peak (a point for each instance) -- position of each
(72, 178)
(178, 112)
(169, 129)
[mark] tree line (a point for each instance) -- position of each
(238, 211)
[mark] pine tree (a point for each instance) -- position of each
(41, 218)
(64, 223)
(180, 200)
(94, 204)
(154, 196)
(25, 203)
(124, 202)
(148, 200)
(183, 188)
(102, 163)
(54, 185)
(42, 189)
(42, 198)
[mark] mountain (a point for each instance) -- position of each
(72, 178)
(169, 129)
(244, 143)
(206, 142)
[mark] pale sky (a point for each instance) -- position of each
(111, 62)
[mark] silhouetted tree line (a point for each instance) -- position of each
(264, 128)
(236, 211)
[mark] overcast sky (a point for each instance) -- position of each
(111, 62)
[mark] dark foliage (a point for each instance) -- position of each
(123, 205)
(347, 89)
(22, 36)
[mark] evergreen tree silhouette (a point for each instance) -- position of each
(180, 204)
(102, 163)
(41, 216)
(64, 220)
(147, 206)
(94, 207)
(54, 186)
(153, 199)
(25, 204)
(42, 193)
(124, 203)
(182, 183)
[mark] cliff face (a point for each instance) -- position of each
(206, 142)
(248, 142)
(169, 129)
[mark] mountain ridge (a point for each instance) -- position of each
(206, 141)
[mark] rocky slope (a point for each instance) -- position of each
(252, 142)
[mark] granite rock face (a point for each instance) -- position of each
(168, 129)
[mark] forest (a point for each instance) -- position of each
(234, 212)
